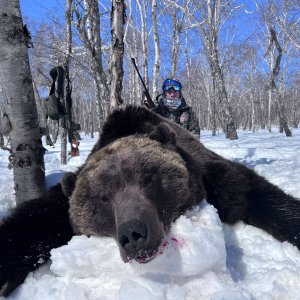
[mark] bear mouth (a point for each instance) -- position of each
(146, 257)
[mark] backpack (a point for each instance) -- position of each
(54, 108)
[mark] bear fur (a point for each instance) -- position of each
(142, 174)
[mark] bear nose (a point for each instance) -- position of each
(132, 237)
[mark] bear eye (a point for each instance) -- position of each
(104, 198)
(147, 179)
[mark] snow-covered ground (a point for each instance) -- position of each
(200, 259)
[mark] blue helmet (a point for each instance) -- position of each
(171, 84)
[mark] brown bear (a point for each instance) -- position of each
(143, 173)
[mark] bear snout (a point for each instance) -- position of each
(132, 237)
(134, 242)
(139, 231)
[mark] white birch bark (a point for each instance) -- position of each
(20, 109)
(211, 44)
(92, 41)
(269, 118)
(117, 52)
(177, 28)
(156, 66)
(210, 25)
(144, 36)
(272, 84)
(131, 46)
(66, 120)
(187, 62)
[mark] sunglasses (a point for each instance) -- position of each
(171, 84)
(172, 90)
(172, 87)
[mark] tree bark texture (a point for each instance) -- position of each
(117, 53)
(67, 118)
(134, 91)
(210, 36)
(20, 108)
(143, 6)
(156, 66)
(272, 83)
(88, 26)
(177, 28)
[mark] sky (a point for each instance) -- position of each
(38, 10)
(243, 22)
(200, 258)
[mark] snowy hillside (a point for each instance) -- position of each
(200, 259)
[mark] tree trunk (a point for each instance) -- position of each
(187, 63)
(1, 140)
(88, 26)
(144, 37)
(227, 112)
(66, 118)
(269, 116)
(91, 124)
(131, 44)
(117, 45)
(273, 86)
(177, 28)
(16, 83)
(156, 65)
(211, 46)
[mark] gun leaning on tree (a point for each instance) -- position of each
(149, 103)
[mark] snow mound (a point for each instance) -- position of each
(191, 262)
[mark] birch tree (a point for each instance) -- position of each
(143, 10)
(132, 50)
(156, 66)
(209, 17)
(20, 109)
(177, 22)
(272, 83)
(87, 23)
(210, 31)
(117, 53)
(284, 17)
(65, 122)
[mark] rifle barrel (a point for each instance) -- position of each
(149, 99)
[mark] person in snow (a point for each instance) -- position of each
(172, 105)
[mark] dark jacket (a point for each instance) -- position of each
(183, 115)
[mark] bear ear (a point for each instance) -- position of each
(164, 134)
(68, 183)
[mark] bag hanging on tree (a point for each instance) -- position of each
(54, 108)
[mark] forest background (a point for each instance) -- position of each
(238, 62)
(174, 39)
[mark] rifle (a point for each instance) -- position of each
(149, 103)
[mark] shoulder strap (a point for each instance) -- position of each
(53, 74)
(57, 73)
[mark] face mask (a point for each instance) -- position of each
(172, 104)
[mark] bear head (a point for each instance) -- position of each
(132, 190)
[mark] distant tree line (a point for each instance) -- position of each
(238, 65)
(223, 54)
